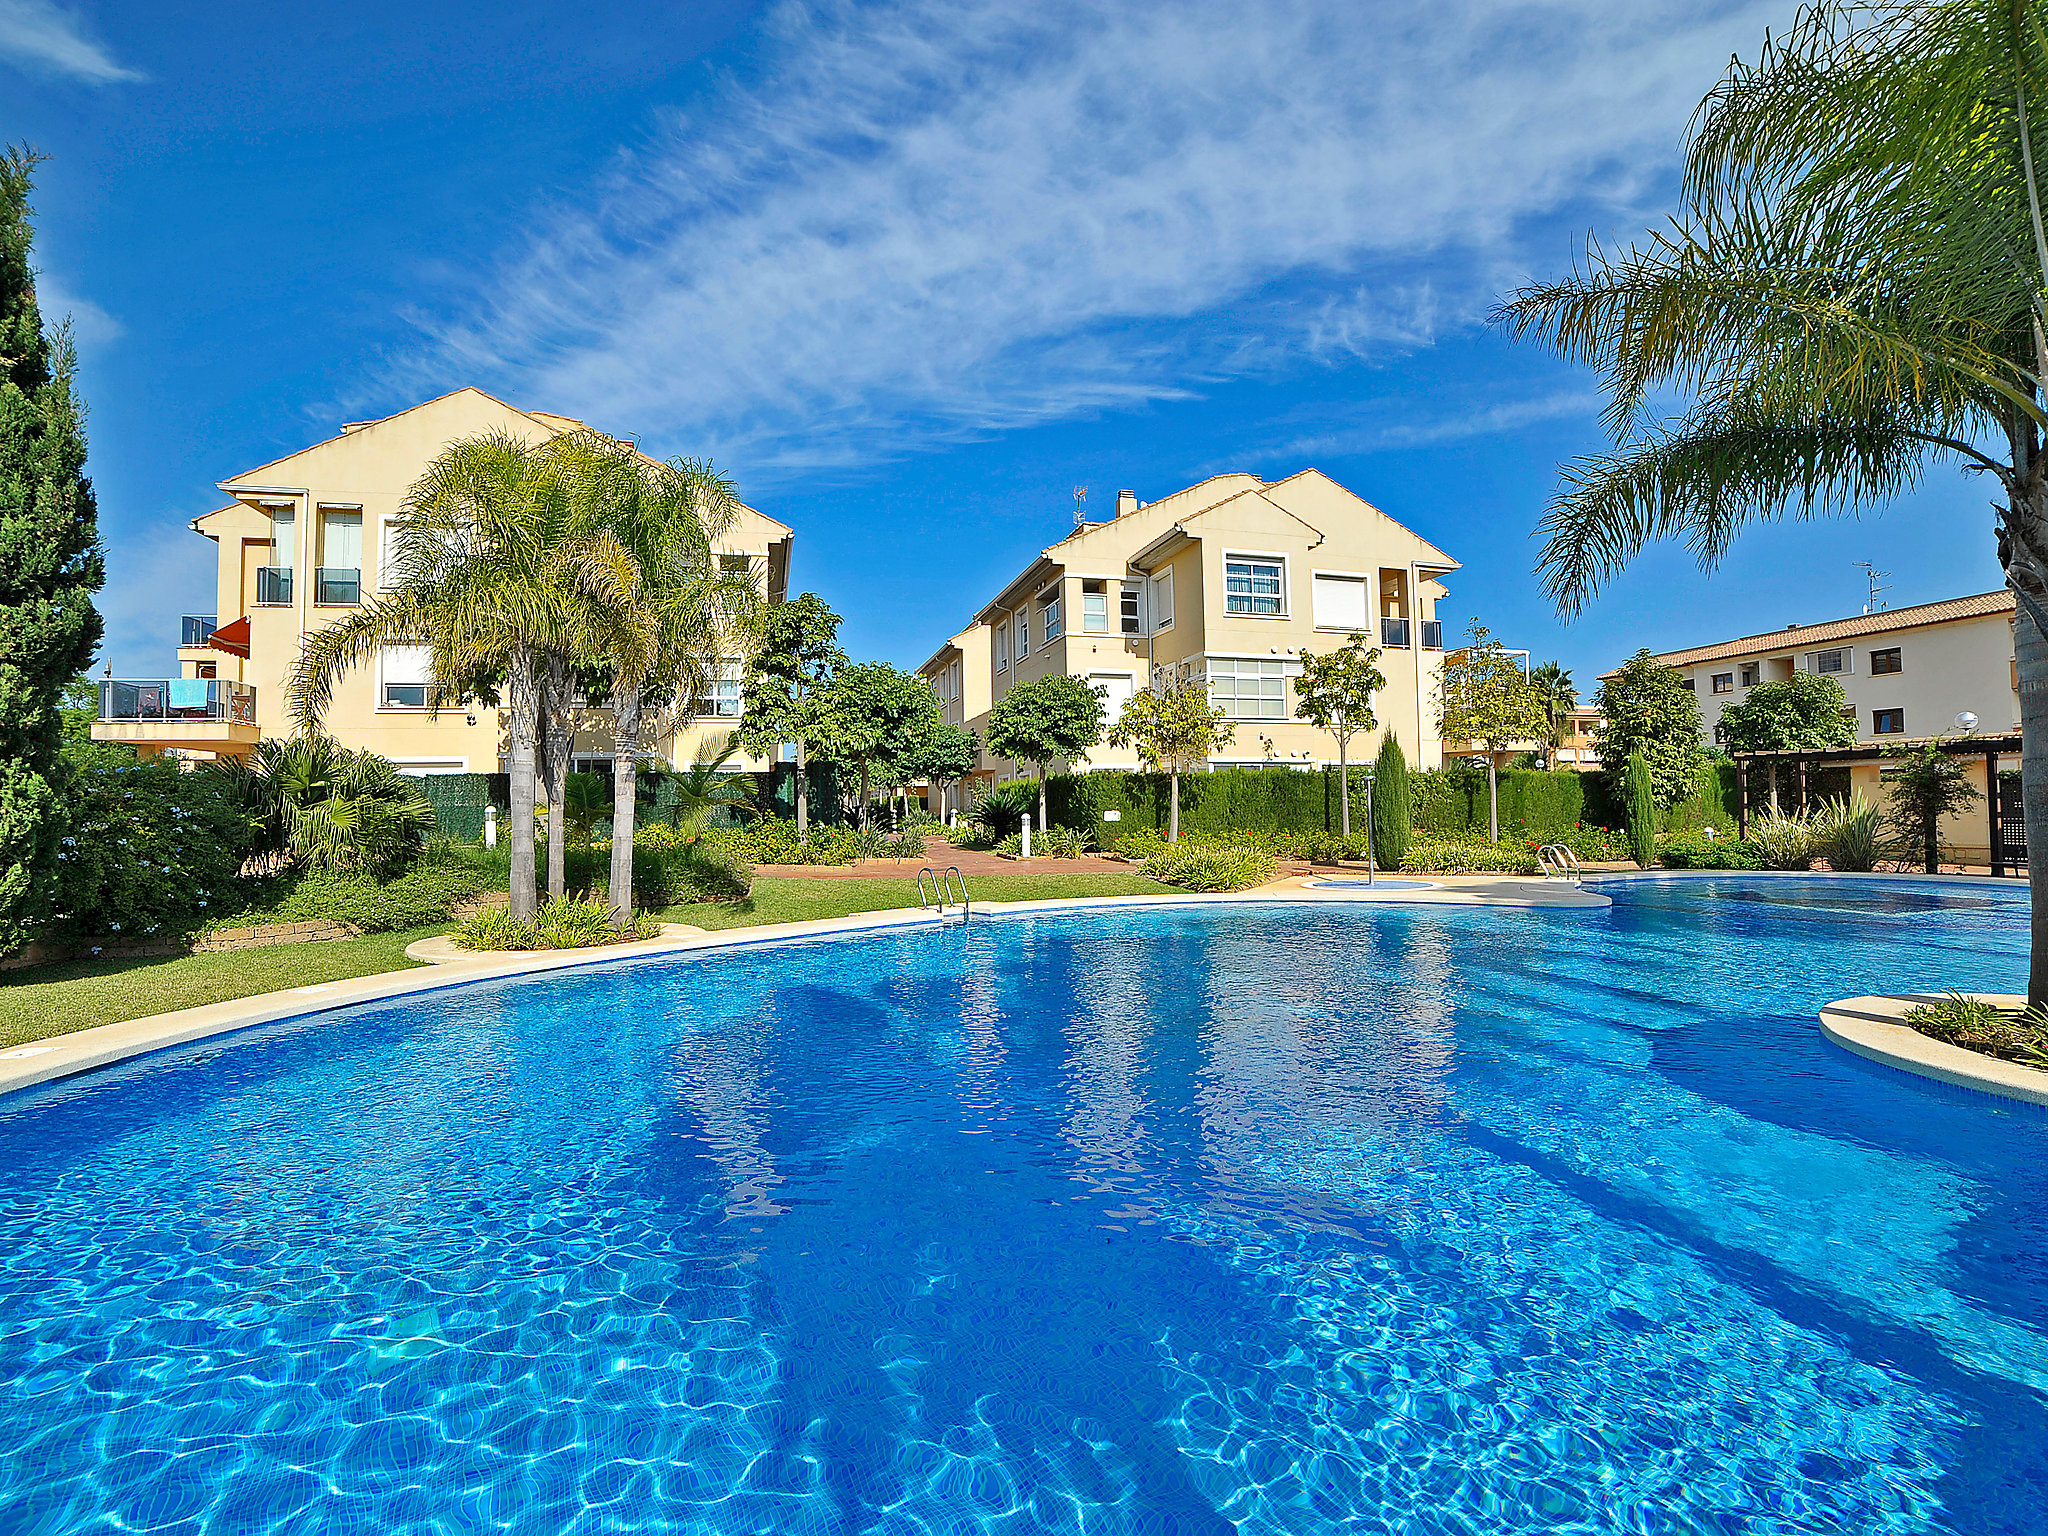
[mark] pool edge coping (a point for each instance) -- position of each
(32, 1063)
(1868, 1027)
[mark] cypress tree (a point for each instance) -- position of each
(1639, 801)
(50, 565)
(1393, 805)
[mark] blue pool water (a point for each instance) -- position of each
(1264, 1218)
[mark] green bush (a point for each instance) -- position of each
(1436, 856)
(496, 928)
(1210, 867)
(672, 867)
(152, 852)
(1393, 804)
(1850, 833)
(1587, 843)
(1639, 796)
(1783, 842)
(564, 924)
(1695, 850)
(427, 893)
(1976, 1025)
(1000, 809)
(771, 840)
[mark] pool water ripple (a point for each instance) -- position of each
(1256, 1218)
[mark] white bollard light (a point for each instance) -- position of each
(490, 826)
(1027, 835)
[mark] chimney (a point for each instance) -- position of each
(1126, 503)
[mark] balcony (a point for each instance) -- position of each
(274, 586)
(1432, 634)
(338, 585)
(1394, 633)
(205, 714)
(195, 627)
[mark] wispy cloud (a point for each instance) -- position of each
(961, 215)
(91, 326)
(38, 35)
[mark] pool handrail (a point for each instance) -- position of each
(1558, 862)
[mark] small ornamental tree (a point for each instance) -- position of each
(1393, 805)
(1801, 713)
(1172, 727)
(1646, 707)
(946, 755)
(1927, 785)
(1335, 693)
(1484, 696)
(872, 716)
(796, 656)
(1639, 806)
(1050, 717)
(50, 565)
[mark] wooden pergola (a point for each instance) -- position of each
(2008, 820)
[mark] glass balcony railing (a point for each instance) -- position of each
(337, 584)
(196, 627)
(177, 698)
(274, 585)
(1394, 632)
(1432, 634)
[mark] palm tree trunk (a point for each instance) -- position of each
(555, 743)
(1343, 789)
(521, 763)
(625, 799)
(2030, 649)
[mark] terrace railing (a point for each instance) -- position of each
(1432, 634)
(337, 585)
(195, 627)
(1394, 633)
(177, 698)
(274, 586)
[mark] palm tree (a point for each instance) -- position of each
(1858, 286)
(1554, 690)
(317, 803)
(704, 788)
(485, 572)
(663, 605)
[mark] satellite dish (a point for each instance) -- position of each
(1966, 722)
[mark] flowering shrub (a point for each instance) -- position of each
(152, 852)
(1210, 867)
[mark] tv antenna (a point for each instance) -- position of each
(1874, 603)
(1080, 506)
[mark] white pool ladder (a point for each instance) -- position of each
(1559, 863)
(945, 892)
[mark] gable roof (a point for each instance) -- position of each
(1801, 636)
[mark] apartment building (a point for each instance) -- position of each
(1231, 581)
(1908, 672)
(301, 542)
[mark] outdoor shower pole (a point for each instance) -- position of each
(1370, 862)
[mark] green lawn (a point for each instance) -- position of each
(781, 899)
(77, 994)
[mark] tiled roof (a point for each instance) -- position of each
(1805, 636)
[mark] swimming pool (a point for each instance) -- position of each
(1275, 1218)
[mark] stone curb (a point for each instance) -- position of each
(1870, 1027)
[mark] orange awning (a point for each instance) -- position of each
(232, 638)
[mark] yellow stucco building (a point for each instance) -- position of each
(301, 542)
(1231, 581)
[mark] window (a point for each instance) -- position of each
(1340, 603)
(1095, 607)
(1003, 646)
(341, 557)
(408, 677)
(1691, 686)
(720, 697)
(1117, 690)
(1887, 722)
(1133, 614)
(1724, 682)
(1049, 627)
(1249, 690)
(1827, 663)
(737, 564)
(1254, 585)
(1750, 674)
(1886, 660)
(1162, 600)
(1023, 634)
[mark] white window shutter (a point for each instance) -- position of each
(1340, 603)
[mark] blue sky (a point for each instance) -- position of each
(910, 272)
